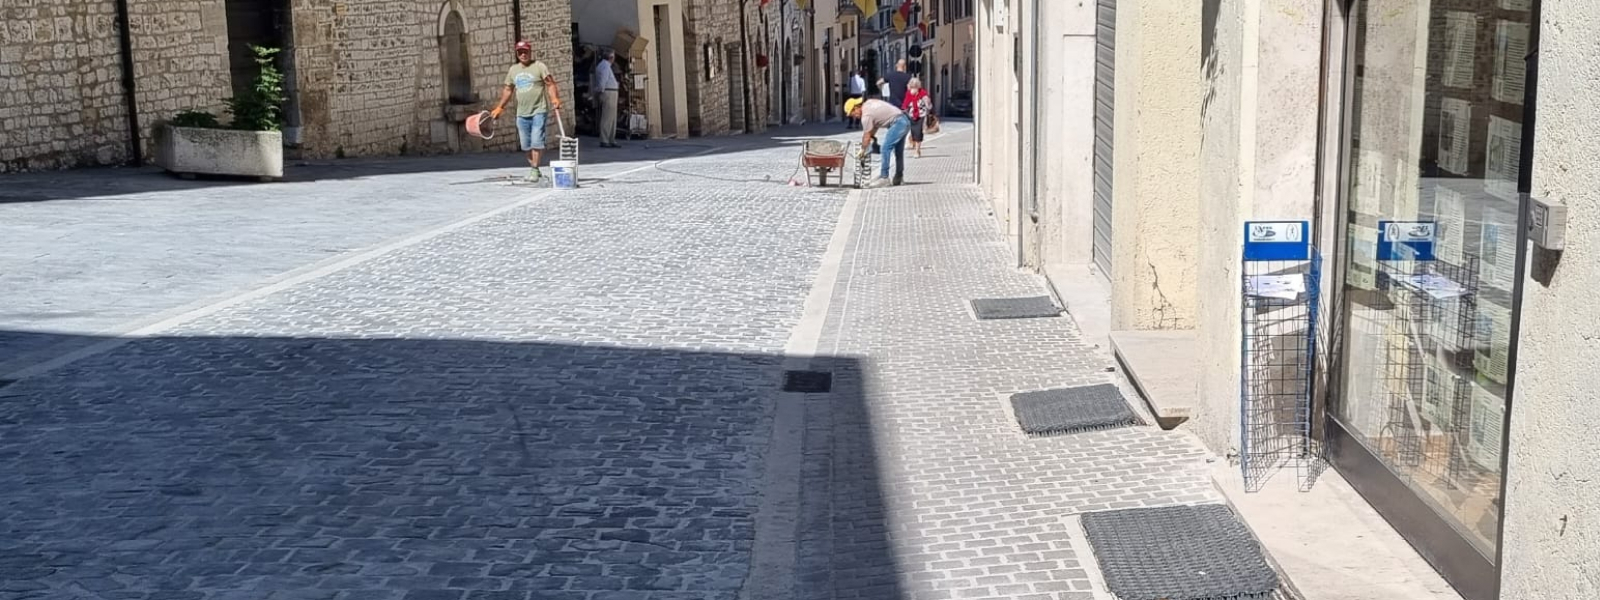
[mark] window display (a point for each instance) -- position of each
(1430, 261)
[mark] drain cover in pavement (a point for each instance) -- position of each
(1015, 308)
(808, 382)
(1179, 553)
(1070, 410)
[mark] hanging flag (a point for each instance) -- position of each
(867, 7)
(902, 17)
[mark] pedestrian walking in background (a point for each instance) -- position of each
(895, 85)
(605, 86)
(917, 105)
(878, 114)
(536, 93)
(858, 90)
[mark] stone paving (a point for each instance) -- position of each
(918, 485)
(567, 396)
(566, 400)
(102, 250)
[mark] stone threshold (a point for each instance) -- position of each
(1162, 367)
(1329, 542)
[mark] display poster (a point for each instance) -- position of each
(1450, 212)
(1455, 134)
(1498, 265)
(1510, 61)
(1503, 160)
(1460, 38)
(1494, 341)
(1487, 426)
(1369, 182)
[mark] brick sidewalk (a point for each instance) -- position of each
(916, 483)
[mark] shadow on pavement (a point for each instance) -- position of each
(104, 182)
(246, 467)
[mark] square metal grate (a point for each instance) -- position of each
(1179, 553)
(1015, 308)
(808, 382)
(1071, 410)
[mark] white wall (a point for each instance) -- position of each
(598, 20)
(1064, 130)
(1552, 521)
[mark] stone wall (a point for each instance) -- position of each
(713, 26)
(62, 103)
(371, 80)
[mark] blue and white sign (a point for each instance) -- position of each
(1407, 240)
(1277, 240)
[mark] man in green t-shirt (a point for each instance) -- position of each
(537, 95)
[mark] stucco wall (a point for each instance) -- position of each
(1258, 158)
(1552, 522)
(1155, 185)
(61, 95)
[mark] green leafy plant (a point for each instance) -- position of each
(196, 118)
(261, 108)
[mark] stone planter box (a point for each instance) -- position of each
(189, 151)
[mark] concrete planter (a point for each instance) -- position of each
(190, 151)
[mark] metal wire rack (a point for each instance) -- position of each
(1280, 294)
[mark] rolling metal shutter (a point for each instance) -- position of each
(1105, 67)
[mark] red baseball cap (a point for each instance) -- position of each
(524, 45)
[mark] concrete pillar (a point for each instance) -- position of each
(1261, 63)
(1156, 169)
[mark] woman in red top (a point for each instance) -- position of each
(917, 106)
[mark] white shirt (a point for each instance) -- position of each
(605, 79)
(858, 84)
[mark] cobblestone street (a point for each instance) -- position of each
(381, 383)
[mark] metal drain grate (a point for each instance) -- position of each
(808, 382)
(1015, 308)
(1179, 553)
(1071, 410)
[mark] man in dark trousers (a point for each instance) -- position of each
(897, 82)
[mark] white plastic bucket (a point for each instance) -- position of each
(565, 174)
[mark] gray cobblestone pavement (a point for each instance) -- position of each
(104, 250)
(918, 485)
(567, 401)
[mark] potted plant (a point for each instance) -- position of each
(251, 145)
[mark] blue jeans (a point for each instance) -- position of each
(894, 145)
(531, 131)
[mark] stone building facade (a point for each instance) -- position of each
(62, 99)
(369, 77)
(348, 56)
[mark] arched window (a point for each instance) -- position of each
(456, 63)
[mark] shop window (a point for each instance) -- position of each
(1432, 230)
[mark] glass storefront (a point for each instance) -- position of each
(1435, 131)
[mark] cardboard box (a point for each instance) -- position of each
(629, 44)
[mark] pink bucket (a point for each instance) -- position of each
(481, 125)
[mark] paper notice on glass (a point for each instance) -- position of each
(1437, 286)
(1516, 4)
(1369, 182)
(1510, 61)
(1455, 134)
(1449, 209)
(1461, 45)
(1282, 287)
(1503, 160)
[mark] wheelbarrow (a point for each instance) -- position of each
(823, 157)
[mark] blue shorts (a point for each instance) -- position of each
(531, 131)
